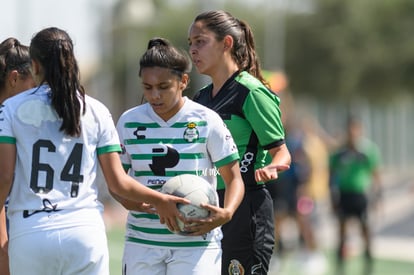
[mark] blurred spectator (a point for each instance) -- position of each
(296, 190)
(354, 179)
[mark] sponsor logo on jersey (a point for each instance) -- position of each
(208, 172)
(48, 207)
(138, 130)
(235, 268)
(191, 133)
(155, 182)
(246, 161)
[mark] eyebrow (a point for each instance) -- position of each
(197, 36)
(160, 83)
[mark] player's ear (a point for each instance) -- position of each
(228, 42)
(12, 77)
(185, 79)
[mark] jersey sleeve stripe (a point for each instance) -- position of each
(227, 160)
(109, 149)
(274, 144)
(5, 139)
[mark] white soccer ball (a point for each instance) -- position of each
(197, 190)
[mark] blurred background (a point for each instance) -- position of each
(331, 56)
(326, 59)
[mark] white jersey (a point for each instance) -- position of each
(193, 141)
(55, 173)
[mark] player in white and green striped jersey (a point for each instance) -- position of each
(167, 136)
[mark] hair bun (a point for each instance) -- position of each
(157, 42)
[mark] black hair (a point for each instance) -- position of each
(161, 53)
(53, 49)
(13, 56)
(222, 23)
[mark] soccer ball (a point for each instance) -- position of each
(197, 190)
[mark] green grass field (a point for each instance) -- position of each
(354, 266)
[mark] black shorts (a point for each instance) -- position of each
(353, 205)
(284, 195)
(248, 239)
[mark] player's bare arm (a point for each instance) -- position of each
(234, 195)
(124, 186)
(7, 163)
(280, 162)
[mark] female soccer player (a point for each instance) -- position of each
(52, 139)
(222, 47)
(167, 136)
(15, 77)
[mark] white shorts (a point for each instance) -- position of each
(163, 261)
(78, 250)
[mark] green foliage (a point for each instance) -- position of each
(348, 48)
(337, 51)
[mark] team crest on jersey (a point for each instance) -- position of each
(191, 133)
(235, 268)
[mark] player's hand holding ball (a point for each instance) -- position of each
(202, 214)
(168, 212)
(218, 216)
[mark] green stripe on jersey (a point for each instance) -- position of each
(5, 139)
(156, 125)
(146, 216)
(155, 187)
(170, 244)
(137, 124)
(182, 156)
(162, 231)
(185, 124)
(126, 166)
(162, 140)
(109, 149)
(167, 173)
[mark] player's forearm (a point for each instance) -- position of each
(280, 155)
(234, 187)
(3, 228)
(4, 259)
(4, 263)
(127, 204)
(129, 191)
(233, 197)
(5, 186)
(121, 184)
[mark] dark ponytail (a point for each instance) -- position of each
(222, 23)
(53, 49)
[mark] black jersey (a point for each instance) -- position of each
(252, 114)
